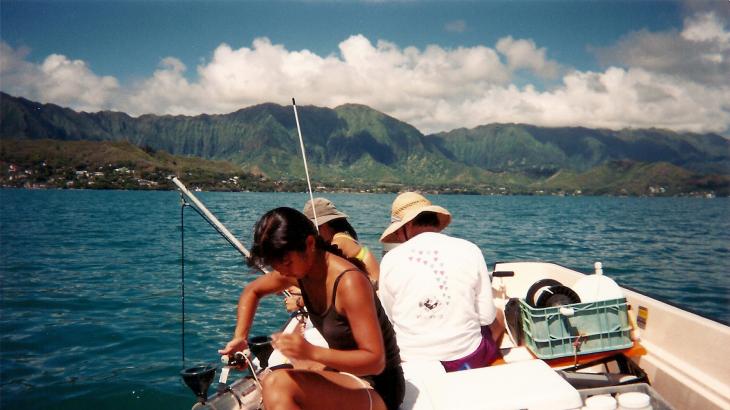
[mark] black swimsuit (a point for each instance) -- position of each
(336, 330)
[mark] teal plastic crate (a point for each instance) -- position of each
(591, 328)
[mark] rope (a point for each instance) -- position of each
(253, 372)
(183, 204)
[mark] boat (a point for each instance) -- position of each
(670, 356)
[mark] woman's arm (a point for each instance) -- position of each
(267, 284)
(355, 301)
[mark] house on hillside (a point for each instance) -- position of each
(146, 183)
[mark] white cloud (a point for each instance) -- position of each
(524, 54)
(669, 80)
(699, 53)
(166, 92)
(57, 79)
(706, 27)
(615, 99)
(380, 75)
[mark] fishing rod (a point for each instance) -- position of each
(304, 158)
(213, 221)
(208, 216)
(219, 227)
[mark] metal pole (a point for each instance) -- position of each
(218, 225)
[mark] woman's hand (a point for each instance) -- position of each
(237, 344)
(293, 303)
(292, 345)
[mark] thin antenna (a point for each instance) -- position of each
(304, 158)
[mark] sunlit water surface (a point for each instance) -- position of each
(90, 312)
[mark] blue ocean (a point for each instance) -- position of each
(90, 306)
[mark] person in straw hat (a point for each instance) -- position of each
(336, 230)
(436, 289)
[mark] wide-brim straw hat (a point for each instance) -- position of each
(407, 206)
(325, 210)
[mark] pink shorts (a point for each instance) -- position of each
(484, 355)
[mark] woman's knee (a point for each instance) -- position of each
(278, 386)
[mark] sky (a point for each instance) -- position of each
(435, 64)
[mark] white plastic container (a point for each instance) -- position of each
(591, 288)
(600, 402)
(634, 401)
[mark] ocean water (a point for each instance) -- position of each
(90, 312)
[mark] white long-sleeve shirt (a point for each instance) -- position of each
(437, 293)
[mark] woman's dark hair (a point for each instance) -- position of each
(426, 218)
(283, 230)
(279, 231)
(341, 225)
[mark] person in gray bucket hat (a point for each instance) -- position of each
(334, 228)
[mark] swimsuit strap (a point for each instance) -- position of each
(334, 292)
(337, 282)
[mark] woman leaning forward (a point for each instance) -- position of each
(342, 305)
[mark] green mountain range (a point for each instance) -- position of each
(354, 144)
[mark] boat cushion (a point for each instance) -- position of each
(529, 384)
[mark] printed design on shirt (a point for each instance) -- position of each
(430, 304)
(430, 308)
(430, 262)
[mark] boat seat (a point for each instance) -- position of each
(417, 374)
(525, 384)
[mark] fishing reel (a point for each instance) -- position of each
(199, 379)
(242, 394)
(237, 361)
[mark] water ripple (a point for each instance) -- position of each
(90, 298)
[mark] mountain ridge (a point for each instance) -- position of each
(355, 142)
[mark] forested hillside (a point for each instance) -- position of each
(353, 145)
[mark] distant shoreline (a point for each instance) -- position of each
(39, 164)
(355, 191)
